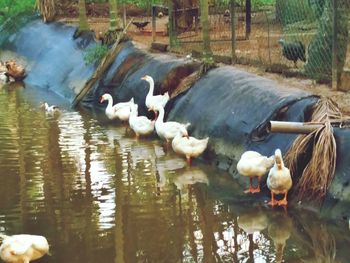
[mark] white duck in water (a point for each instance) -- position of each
(50, 109)
(141, 125)
(153, 101)
(167, 130)
(23, 248)
(253, 164)
(120, 110)
(279, 180)
(188, 146)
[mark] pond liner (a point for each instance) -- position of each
(234, 107)
(54, 60)
(229, 105)
(123, 79)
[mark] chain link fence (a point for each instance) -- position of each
(293, 37)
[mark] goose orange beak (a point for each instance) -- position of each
(144, 78)
(102, 100)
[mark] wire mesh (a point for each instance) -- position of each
(307, 37)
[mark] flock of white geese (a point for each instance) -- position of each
(251, 163)
(170, 131)
(25, 248)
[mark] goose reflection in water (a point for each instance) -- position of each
(252, 222)
(189, 176)
(279, 230)
(255, 221)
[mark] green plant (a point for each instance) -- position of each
(256, 4)
(9, 8)
(95, 53)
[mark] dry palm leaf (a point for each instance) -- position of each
(319, 171)
(47, 9)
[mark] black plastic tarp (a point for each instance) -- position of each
(233, 107)
(55, 61)
(123, 79)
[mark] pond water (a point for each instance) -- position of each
(99, 195)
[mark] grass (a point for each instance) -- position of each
(95, 53)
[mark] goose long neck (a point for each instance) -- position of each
(110, 102)
(151, 87)
(279, 162)
(160, 118)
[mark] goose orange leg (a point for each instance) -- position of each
(251, 188)
(284, 200)
(189, 160)
(273, 201)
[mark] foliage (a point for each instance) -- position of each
(95, 53)
(293, 11)
(143, 4)
(9, 8)
(256, 4)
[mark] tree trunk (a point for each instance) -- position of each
(113, 14)
(171, 28)
(205, 28)
(319, 63)
(83, 23)
(248, 18)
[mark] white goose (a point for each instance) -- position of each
(120, 110)
(167, 130)
(152, 101)
(279, 180)
(253, 164)
(141, 125)
(50, 109)
(23, 248)
(188, 146)
(3, 77)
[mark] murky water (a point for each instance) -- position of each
(99, 195)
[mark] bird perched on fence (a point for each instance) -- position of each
(293, 51)
(140, 25)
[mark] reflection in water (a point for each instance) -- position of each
(252, 222)
(279, 230)
(185, 177)
(99, 195)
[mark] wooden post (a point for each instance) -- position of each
(124, 14)
(233, 30)
(204, 9)
(293, 127)
(154, 9)
(171, 24)
(334, 46)
(248, 17)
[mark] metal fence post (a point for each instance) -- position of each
(334, 46)
(233, 31)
